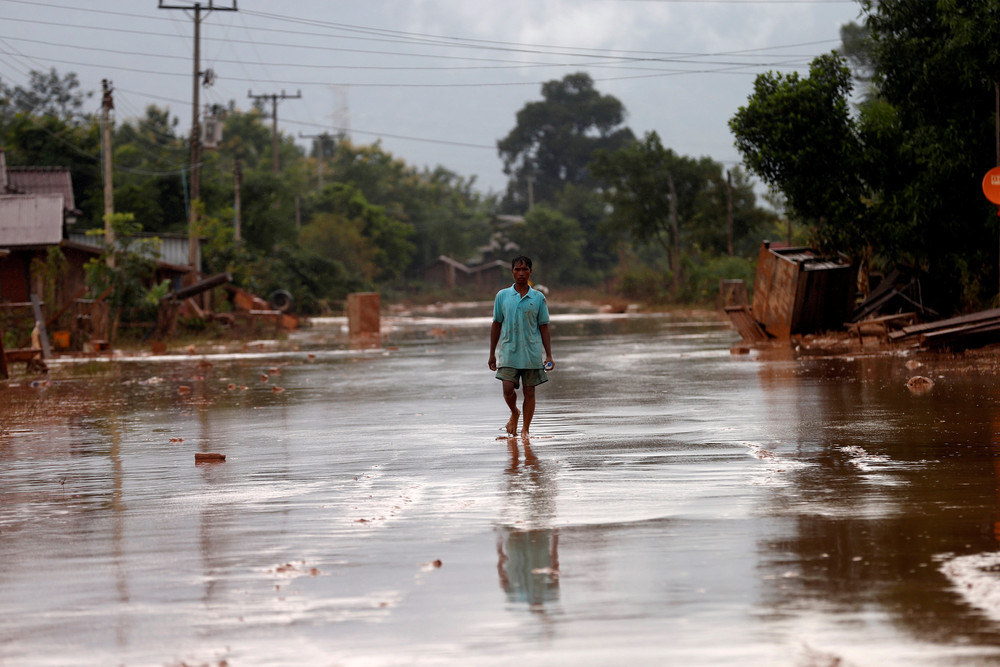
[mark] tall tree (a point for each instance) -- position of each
(555, 138)
(653, 192)
(554, 241)
(936, 68)
(47, 94)
(149, 159)
(798, 135)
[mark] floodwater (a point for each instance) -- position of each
(676, 504)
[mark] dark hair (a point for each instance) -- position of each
(521, 258)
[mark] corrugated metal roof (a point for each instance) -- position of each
(43, 181)
(173, 247)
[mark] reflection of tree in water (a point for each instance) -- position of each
(527, 544)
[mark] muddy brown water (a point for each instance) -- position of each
(676, 504)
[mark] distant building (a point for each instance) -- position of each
(452, 274)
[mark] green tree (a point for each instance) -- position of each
(44, 125)
(653, 193)
(149, 159)
(125, 271)
(798, 135)
(555, 138)
(936, 69)
(347, 228)
(554, 242)
(47, 94)
(445, 214)
(899, 181)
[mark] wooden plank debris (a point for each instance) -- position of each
(749, 329)
(964, 331)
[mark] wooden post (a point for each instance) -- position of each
(36, 307)
(363, 319)
(109, 197)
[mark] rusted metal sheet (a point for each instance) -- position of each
(797, 290)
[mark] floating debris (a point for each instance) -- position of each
(209, 457)
(919, 384)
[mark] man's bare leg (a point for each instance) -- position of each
(529, 409)
(510, 396)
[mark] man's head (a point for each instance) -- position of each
(520, 258)
(521, 268)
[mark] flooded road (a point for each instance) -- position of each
(676, 505)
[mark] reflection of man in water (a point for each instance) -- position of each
(521, 326)
(528, 558)
(528, 564)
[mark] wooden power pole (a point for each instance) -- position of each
(107, 104)
(237, 199)
(196, 124)
(275, 98)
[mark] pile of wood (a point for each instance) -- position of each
(963, 332)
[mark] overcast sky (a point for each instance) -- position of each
(438, 82)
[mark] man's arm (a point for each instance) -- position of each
(494, 339)
(543, 329)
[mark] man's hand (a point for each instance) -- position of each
(493, 362)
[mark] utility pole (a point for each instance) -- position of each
(274, 97)
(107, 104)
(729, 211)
(196, 125)
(238, 185)
(318, 139)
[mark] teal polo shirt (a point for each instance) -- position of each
(520, 316)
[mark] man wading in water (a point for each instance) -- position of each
(521, 326)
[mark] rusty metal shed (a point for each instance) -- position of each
(797, 290)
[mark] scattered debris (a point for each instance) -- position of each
(919, 384)
(296, 570)
(798, 292)
(896, 293)
(962, 332)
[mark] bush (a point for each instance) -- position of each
(702, 286)
(645, 284)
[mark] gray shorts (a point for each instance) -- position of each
(531, 376)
